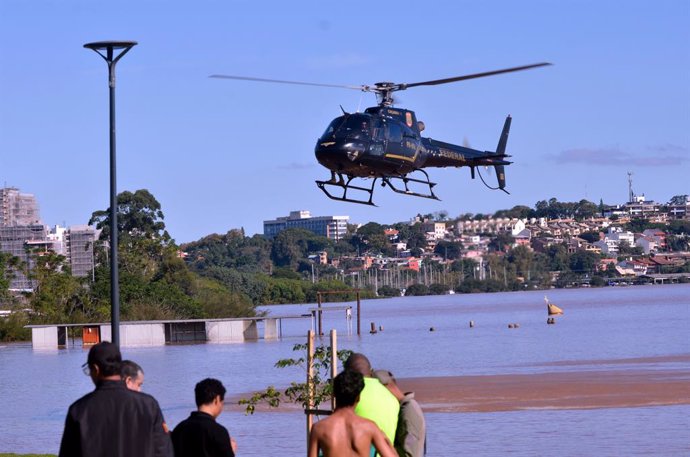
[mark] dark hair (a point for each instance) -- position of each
(208, 389)
(107, 357)
(359, 363)
(346, 388)
(130, 369)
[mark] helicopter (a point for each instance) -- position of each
(384, 142)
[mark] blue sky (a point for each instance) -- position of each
(222, 154)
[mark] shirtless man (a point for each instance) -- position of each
(343, 433)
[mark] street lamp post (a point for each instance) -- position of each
(107, 50)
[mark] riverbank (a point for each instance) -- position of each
(654, 381)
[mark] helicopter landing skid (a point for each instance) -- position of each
(345, 186)
(390, 179)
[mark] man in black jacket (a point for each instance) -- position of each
(113, 421)
(200, 435)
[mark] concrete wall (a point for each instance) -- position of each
(229, 331)
(142, 335)
(271, 329)
(137, 334)
(44, 338)
(106, 334)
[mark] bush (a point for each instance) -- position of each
(388, 291)
(12, 328)
(597, 281)
(417, 289)
(438, 289)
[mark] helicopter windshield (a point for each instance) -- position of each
(332, 127)
(353, 126)
(356, 123)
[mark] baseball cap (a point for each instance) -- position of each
(103, 354)
(384, 376)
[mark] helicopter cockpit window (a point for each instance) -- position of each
(394, 132)
(332, 127)
(378, 130)
(357, 123)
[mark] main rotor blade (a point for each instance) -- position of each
(473, 76)
(280, 81)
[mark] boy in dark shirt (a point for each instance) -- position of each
(200, 435)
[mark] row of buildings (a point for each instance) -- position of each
(537, 234)
(23, 235)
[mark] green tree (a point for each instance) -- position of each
(449, 250)
(501, 242)
(584, 262)
(677, 243)
(388, 291)
(417, 289)
(139, 216)
(678, 200)
(679, 227)
(590, 236)
(465, 267)
(438, 289)
(625, 249)
(7, 264)
(292, 245)
(517, 212)
(585, 209)
(559, 258)
(371, 238)
(58, 296)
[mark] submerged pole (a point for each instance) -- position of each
(334, 362)
(310, 382)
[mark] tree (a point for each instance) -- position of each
(294, 244)
(414, 237)
(516, 212)
(678, 200)
(591, 236)
(521, 257)
(449, 249)
(677, 243)
(559, 258)
(501, 242)
(585, 209)
(584, 262)
(7, 264)
(465, 267)
(625, 249)
(371, 237)
(58, 296)
(139, 215)
(298, 392)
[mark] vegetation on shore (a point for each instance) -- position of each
(230, 275)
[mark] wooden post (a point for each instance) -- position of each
(359, 315)
(334, 363)
(310, 381)
(318, 300)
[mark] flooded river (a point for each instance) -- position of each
(599, 327)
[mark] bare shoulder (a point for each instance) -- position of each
(366, 424)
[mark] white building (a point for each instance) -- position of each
(17, 208)
(333, 227)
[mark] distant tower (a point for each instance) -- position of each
(631, 194)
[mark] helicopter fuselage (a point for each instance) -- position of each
(385, 142)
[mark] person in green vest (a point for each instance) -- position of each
(376, 402)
